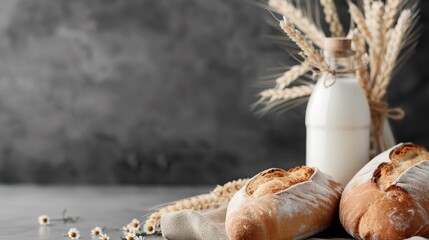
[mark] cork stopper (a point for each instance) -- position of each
(338, 44)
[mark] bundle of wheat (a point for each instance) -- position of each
(376, 35)
(216, 198)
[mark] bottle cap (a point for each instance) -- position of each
(338, 44)
(338, 47)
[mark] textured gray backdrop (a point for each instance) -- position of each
(154, 91)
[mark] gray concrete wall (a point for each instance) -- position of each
(154, 91)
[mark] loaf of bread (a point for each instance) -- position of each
(278, 204)
(389, 197)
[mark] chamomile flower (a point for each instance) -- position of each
(73, 233)
(43, 220)
(135, 224)
(104, 237)
(126, 230)
(132, 232)
(131, 237)
(149, 229)
(97, 231)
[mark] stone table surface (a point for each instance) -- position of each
(104, 206)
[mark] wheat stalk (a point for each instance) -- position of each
(273, 95)
(376, 27)
(364, 80)
(359, 46)
(313, 57)
(271, 98)
(297, 17)
(391, 11)
(229, 188)
(331, 17)
(394, 46)
(367, 6)
(290, 76)
(359, 19)
(358, 42)
(219, 196)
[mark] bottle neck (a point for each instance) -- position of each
(341, 62)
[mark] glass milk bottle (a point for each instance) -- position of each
(338, 117)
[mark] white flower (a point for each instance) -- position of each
(125, 230)
(131, 233)
(149, 229)
(104, 237)
(73, 233)
(128, 230)
(131, 237)
(43, 220)
(96, 231)
(135, 224)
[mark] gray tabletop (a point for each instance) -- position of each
(111, 207)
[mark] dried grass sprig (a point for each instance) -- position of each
(376, 27)
(299, 19)
(229, 188)
(359, 46)
(273, 95)
(313, 57)
(331, 17)
(359, 19)
(367, 6)
(391, 11)
(290, 76)
(219, 196)
(394, 46)
(271, 98)
(358, 42)
(364, 80)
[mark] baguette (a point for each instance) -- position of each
(277, 204)
(389, 197)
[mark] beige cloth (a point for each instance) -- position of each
(192, 225)
(207, 225)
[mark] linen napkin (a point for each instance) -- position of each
(192, 225)
(207, 225)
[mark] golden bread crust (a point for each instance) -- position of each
(277, 204)
(387, 199)
(275, 180)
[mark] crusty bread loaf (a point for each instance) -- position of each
(389, 197)
(278, 204)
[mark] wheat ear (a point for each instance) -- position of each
(272, 98)
(367, 7)
(392, 51)
(359, 46)
(272, 95)
(331, 17)
(391, 11)
(230, 188)
(376, 27)
(313, 57)
(290, 76)
(219, 196)
(358, 42)
(299, 19)
(359, 19)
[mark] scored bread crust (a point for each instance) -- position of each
(277, 204)
(388, 197)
